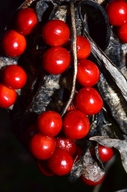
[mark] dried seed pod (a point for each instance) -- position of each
(108, 67)
(88, 167)
(91, 170)
(6, 61)
(120, 145)
(115, 102)
(101, 126)
(97, 22)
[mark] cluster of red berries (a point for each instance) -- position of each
(54, 151)
(117, 13)
(55, 154)
(13, 77)
(14, 41)
(57, 59)
(14, 44)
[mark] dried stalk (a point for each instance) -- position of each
(27, 3)
(74, 55)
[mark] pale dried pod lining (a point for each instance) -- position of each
(91, 169)
(120, 145)
(115, 101)
(106, 64)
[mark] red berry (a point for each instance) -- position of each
(60, 162)
(117, 12)
(13, 43)
(14, 76)
(88, 100)
(8, 96)
(88, 73)
(83, 47)
(105, 153)
(42, 147)
(122, 32)
(66, 144)
(26, 21)
(56, 60)
(43, 167)
(90, 182)
(76, 124)
(55, 32)
(49, 123)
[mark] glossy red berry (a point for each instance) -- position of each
(42, 147)
(14, 76)
(13, 43)
(88, 100)
(8, 96)
(88, 73)
(55, 32)
(56, 60)
(105, 153)
(117, 12)
(83, 47)
(49, 123)
(26, 21)
(122, 32)
(60, 163)
(43, 167)
(76, 124)
(66, 144)
(90, 182)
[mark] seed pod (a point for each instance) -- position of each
(120, 145)
(88, 167)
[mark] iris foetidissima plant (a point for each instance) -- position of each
(47, 92)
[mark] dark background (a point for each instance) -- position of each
(18, 170)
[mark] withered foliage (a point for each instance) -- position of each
(56, 92)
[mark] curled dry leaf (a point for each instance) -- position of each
(120, 145)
